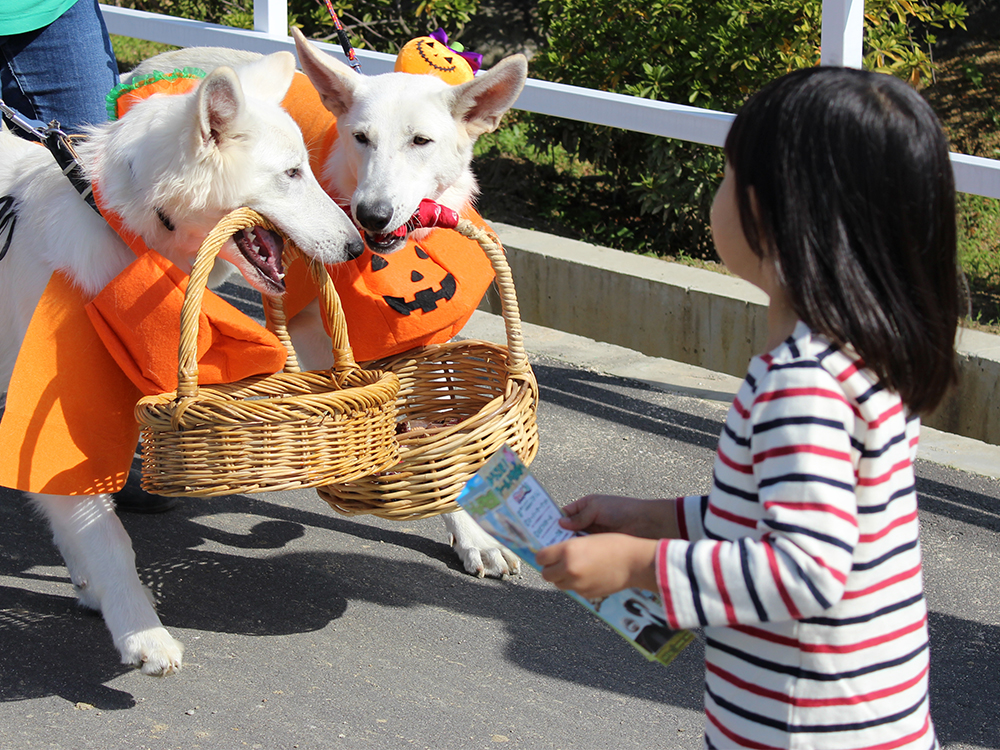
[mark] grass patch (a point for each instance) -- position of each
(130, 52)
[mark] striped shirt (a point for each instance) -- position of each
(803, 562)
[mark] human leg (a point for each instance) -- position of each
(62, 71)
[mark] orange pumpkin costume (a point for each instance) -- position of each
(69, 426)
(423, 293)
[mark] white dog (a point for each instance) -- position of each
(402, 138)
(171, 169)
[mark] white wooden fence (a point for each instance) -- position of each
(843, 22)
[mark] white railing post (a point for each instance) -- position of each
(270, 17)
(843, 33)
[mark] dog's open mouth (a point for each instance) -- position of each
(262, 248)
(384, 244)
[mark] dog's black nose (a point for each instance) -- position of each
(374, 216)
(354, 247)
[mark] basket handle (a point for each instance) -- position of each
(244, 218)
(490, 243)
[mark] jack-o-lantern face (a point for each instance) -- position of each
(414, 262)
(427, 55)
(421, 294)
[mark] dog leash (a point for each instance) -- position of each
(60, 146)
(345, 42)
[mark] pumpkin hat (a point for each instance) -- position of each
(432, 54)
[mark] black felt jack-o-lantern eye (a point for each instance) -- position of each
(436, 55)
(405, 270)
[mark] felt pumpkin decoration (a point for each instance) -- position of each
(424, 293)
(431, 54)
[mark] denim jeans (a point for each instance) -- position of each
(62, 71)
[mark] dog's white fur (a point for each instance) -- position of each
(195, 157)
(402, 138)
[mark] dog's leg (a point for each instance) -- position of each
(481, 554)
(98, 553)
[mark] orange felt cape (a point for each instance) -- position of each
(69, 426)
(422, 294)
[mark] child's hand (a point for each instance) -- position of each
(599, 565)
(594, 514)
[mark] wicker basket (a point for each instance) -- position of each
(458, 403)
(271, 432)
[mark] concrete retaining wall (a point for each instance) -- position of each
(698, 317)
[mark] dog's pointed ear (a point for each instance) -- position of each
(269, 77)
(333, 80)
(220, 102)
(481, 103)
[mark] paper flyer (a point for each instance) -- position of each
(509, 503)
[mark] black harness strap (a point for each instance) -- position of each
(62, 150)
(8, 218)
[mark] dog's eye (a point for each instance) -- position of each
(421, 140)
(361, 138)
(293, 173)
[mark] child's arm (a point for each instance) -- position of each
(649, 519)
(598, 565)
(619, 553)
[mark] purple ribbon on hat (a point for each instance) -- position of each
(474, 59)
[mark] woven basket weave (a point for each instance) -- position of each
(458, 403)
(271, 432)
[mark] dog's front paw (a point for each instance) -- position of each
(481, 554)
(492, 559)
(154, 651)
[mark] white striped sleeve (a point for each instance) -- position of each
(791, 489)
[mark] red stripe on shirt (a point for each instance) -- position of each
(826, 648)
(898, 408)
(682, 527)
(839, 576)
(789, 450)
(844, 700)
(779, 584)
(820, 507)
(901, 521)
(733, 737)
(740, 408)
(902, 741)
(872, 481)
(720, 584)
(794, 392)
(664, 579)
(742, 468)
(848, 371)
(725, 515)
(883, 584)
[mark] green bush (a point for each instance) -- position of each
(381, 25)
(707, 54)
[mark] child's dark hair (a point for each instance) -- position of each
(843, 178)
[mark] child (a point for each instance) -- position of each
(803, 561)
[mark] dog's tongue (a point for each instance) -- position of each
(262, 248)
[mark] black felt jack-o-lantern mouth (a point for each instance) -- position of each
(437, 56)
(403, 269)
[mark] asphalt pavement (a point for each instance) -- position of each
(306, 629)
